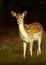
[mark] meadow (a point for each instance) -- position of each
(11, 51)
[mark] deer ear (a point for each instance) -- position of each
(13, 13)
(24, 13)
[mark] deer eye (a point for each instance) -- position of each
(21, 17)
(18, 17)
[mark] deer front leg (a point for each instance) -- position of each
(31, 45)
(24, 49)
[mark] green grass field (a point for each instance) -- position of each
(11, 52)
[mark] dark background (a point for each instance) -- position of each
(36, 12)
(11, 47)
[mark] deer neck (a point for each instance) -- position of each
(22, 29)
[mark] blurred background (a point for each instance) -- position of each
(11, 47)
(36, 12)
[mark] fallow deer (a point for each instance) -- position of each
(29, 32)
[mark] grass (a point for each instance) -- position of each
(11, 53)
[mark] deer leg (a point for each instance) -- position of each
(24, 48)
(39, 47)
(31, 45)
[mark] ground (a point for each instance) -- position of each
(11, 50)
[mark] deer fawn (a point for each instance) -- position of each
(29, 32)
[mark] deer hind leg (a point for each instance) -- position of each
(39, 47)
(31, 45)
(24, 49)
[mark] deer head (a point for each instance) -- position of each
(19, 17)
